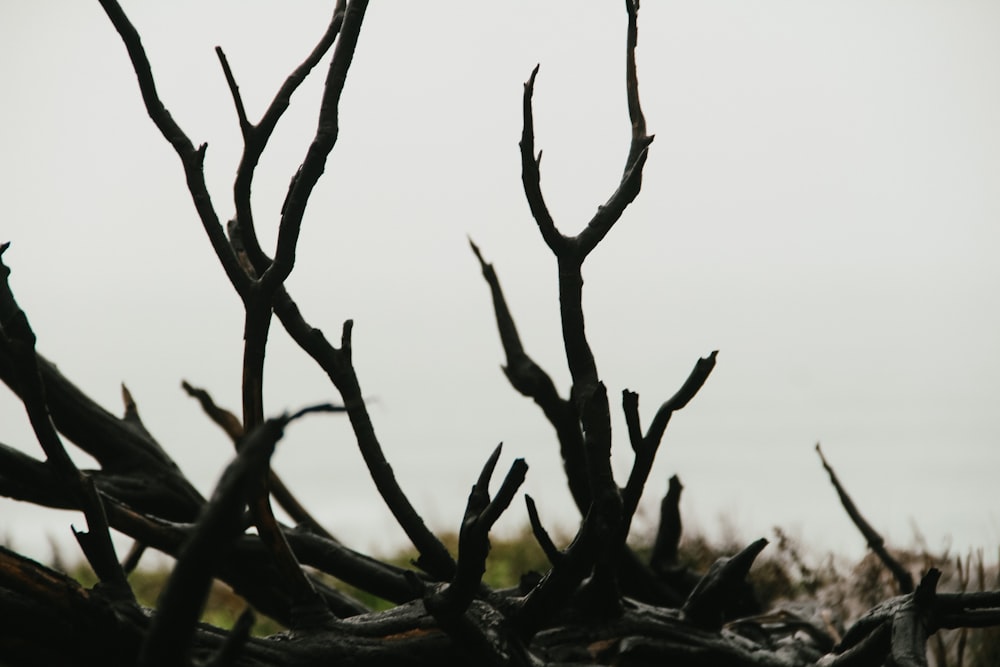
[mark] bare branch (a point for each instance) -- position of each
(96, 544)
(261, 133)
(608, 214)
(434, 557)
(875, 541)
(541, 535)
(531, 177)
(481, 513)
(241, 113)
(532, 381)
(97, 547)
(191, 158)
(326, 136)
(668, 535)
(221, 523)
(699, 374)
(646, 447)
(234, 641)
(225, 419)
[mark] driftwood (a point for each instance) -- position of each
(598, 603)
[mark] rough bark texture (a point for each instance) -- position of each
(598, 603)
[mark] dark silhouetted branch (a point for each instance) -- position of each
(529, 379)
(98, 549)
(530, 175)
(713, 598)
(184, 596)
(326, 136)
(481, 513)
(96, 544)
(255, 140)
(541, 535)
(191, 158)
(910, 624)
(241, 113)
(875, 541)
(235, 641)
(668, 535)
(336, 362)
(232, 426)
(645, 447)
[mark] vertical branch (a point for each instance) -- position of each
(589, 394)
(327, 131)
(256, 137)
(668, 535)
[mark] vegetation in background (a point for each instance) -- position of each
(785, 581)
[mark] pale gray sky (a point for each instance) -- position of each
(821, 204)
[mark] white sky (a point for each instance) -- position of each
(821, 204)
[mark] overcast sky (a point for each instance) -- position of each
(821, 204)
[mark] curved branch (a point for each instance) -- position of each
(191, 158)
(531, 176)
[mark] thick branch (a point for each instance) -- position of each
(714, 596)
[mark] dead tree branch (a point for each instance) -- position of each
(875, 541)
(597, 603)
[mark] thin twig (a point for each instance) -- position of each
(241, 113)
(257, 140)
(191, 158)
(875, 541)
